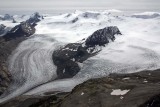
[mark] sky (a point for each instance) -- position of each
(59, 5)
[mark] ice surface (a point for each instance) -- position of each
(31, 63)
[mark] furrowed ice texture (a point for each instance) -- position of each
(135, 50)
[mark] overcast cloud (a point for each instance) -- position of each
(24, 5)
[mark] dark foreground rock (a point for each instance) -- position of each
(143, 91)
(67, 58)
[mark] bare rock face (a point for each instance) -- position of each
(67, 58)
(2, 29)
(36, 17)
(102, 36)
(23, 29)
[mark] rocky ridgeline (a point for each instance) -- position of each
(67, 58)
(2, 29)
(25, 28)
(7, 17)
(9, 42)
(35, 18)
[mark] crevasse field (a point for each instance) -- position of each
(137, 49)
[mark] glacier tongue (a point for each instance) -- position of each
(31, 63)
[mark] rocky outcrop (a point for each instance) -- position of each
(23, 29)
(74, 20)
(67, 58)
(2, 29)
(102, 36)
(90, 15)
(36, 17)
(7, 17)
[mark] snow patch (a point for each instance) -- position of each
(82, 93)
(127, 78)
(119, 92)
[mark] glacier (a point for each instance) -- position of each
(32, 68)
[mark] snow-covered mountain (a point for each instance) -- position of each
(31, 64)
(8, 21)
(146, 15)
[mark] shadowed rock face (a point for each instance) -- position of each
(23, 29)
(36, 17)
(2, 29)
(67, 58)
(102, 36)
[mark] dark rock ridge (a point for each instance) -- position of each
(143, 91)
(2, 29)
(36, 17)
(8, 43)
(74, 20)
(90, 15)
(67, 58)
(102, 36)
(7, 17)
(23, 29)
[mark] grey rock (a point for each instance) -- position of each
(102, 36)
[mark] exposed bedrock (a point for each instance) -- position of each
(8, 43)
(67, 58)
(22, 30)
(7, 17)
(2, 29)
(102, 36)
